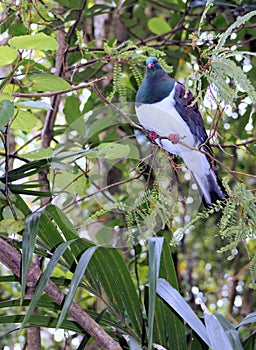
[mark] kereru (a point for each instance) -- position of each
(165, 110)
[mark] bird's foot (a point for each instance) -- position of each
(153, 136)
(174, 138)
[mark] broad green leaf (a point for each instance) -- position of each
(102, 124)
(24, 121)
(48, 233)
(68, 231)
(133, 345)
(6, 112)
(217, 336)
(166, 320)
(42, 321)
(158, 25)
(46, 82)
(7, 55)
(155, 251)
(5, 97)
(172, 297)
(113, 150)
(44, 279)
(80, 184)
(39, 153)
(26, 189)
(28, 246)
(28, 169)
(108, 266)
(63, 222)
(11, 226)
(39, 41)
(250, 342)
(234, 339)
(71, 109)
(78, 275)
(250, 318)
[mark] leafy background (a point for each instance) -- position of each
(73, 174)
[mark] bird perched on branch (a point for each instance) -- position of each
(175, 123)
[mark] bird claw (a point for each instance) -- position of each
(153, 136)
(174, 138)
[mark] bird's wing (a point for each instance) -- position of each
(190, 113)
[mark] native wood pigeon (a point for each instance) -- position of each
(164, 109)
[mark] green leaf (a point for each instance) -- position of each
(47, 82)
(11, 226)
(250, 342)
(250, 318)
(39, 41)
(172, 297)
(44, 279)
(5, 97)
(6, 112)
(108, 266)
(71, 109)
(133, 345)
(42, 321)
(39, 153)
(217, 336)
(28, 246)
(68, 231)
(78, 275)
(158, 25)
(163, 331)
(7, 55)
(28, 169)
(24, 121)
(80, 184)
(55, 237)
(114, 150)
(155, 251)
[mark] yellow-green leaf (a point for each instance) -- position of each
(158, 25)
(24, 121)
(80, 185)
(7, 55)
(39, 41)
(11, 226)
(5, 97)
(39, 153)
(47, 82)
(114, 150)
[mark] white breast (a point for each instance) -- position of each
(163, 118)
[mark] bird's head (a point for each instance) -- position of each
(152, 64)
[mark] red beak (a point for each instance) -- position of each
(150, 65)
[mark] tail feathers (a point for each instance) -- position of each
(210, 188)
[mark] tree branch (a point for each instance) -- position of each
(60, 92)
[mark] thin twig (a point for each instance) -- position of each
(60, 92)
(128, 119)
(6, 190)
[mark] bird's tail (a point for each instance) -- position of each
(210, 187)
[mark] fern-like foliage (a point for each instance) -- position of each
(236, 225)
(128, 53)
(219, 68)
(239, 22)
(145, 216)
